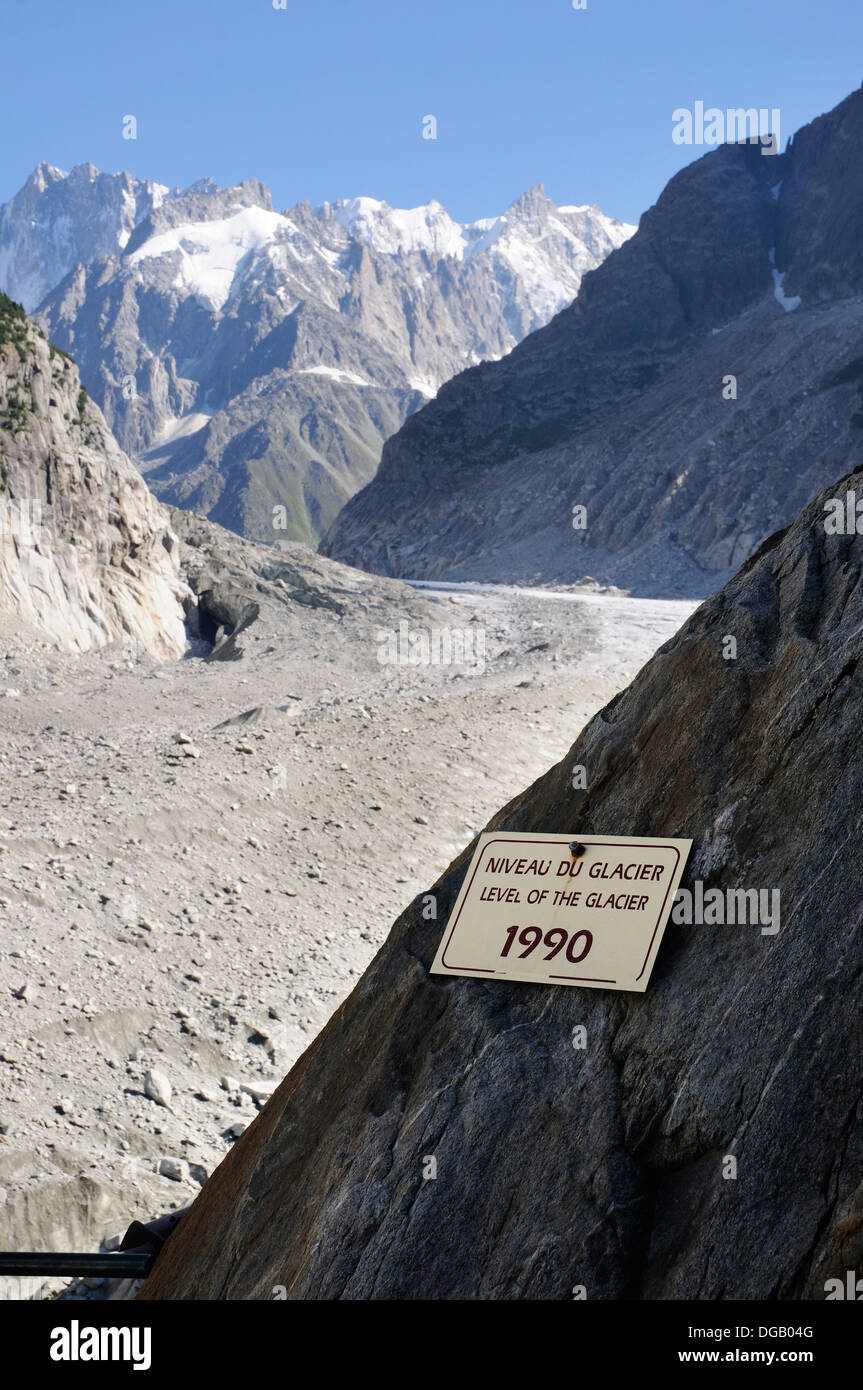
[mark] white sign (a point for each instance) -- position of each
(532, 909)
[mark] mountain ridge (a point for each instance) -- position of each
(620, 396)
(247, 358)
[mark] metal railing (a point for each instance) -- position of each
(133, 1260)
(120, 1264)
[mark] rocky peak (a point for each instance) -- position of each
(59, 220)
(819, 229)
(43, 175)
(531, 204)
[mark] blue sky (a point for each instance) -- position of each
(325, 98)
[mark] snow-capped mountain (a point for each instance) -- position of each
(58, 220)
(248, 358)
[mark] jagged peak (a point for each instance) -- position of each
(204, 185)
(85, 171)
(531, 199)
(45, 174)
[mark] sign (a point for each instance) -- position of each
(532, 909)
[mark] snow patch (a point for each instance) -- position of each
(180, 427)
(395, 231)
(479, 236)
(335, 374)
(430, 229)
(426, 385)
(211, 252)
(788, 302)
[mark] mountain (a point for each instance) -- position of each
(704, 385)
(59, 220)
(607, 1167)
(248, 359)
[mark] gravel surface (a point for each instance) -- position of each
(197, 860)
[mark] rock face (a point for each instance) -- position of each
(247, 358)
(702, 388)
(606, 1167)
(87, 555)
